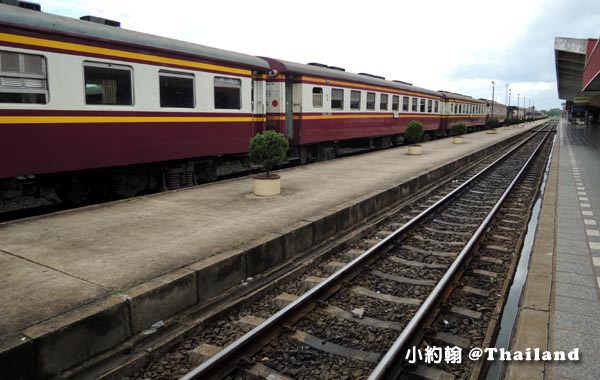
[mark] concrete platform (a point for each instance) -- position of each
(560, 308)
(85, 280)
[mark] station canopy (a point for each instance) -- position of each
(578, 70)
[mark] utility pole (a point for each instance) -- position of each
(492, 114)
(508, 106)
(518, 97)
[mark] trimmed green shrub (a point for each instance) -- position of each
(492, 123)
(268, 149)
(459, 129)
(414, 132)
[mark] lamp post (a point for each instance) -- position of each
(508, 106)
(518, 99)
(524, 114)
(492, 114)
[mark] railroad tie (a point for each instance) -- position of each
(430, 373)
(352, 254)
(333, 266)
(417, 264)
(284, 299)
(335, 349)
(385, 297)
(263, 372)
(202, 353)
(450, 339)
(343, 314)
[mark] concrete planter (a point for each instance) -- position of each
(267, 186)
(492, 131)
(458, 140)
(415, 149)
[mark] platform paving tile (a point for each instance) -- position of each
(580, 302)
(574, 268)
(583, 292)
(567, 340)
(574, 278)
(577, 322)
(572, 248)
(587, 368)
(576, 259)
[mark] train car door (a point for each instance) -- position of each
(289, 107)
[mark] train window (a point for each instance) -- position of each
(355, 100)
(405, 103)
(452, 108)
(429, 105)
(337, 98)
(460, 106)
(370, 100)
(317, 95)
(228, 93)
(414, 105)
(176, 89)
(395, 102)
(383, 102)
(23, 78)
(422, 105)
(107, 84)
(436, 106)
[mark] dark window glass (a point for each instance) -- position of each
(370, 100)
(108, 84)
(228, 93)
(176, 90)
(383, 102)
(355, 100)
(337, 99)
(405, 101)
(414, 105)
(395, 102)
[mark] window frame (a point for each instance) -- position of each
(371, 103)
(313, 97)
(176, 74)
(341, 91)
(395, 102)
(383, 106)
(239, 108)
(111, 66)
(23, 76)
(422, 105)
(354, 104)
(429, 105)
(414, 104)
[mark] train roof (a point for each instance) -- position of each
(324, 71)
(455, 96)
(20, 17)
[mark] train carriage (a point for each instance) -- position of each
(464, 109)
(327, 111)
(77, 95)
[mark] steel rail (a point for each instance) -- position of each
(389, 367)
(227, 359)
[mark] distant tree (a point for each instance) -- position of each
(555, 112)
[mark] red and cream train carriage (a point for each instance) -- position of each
(327, 111)
(76, 95)
(101, 110)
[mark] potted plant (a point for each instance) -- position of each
(492, 125)
(414, 135)
(457, 131)
(268, 149)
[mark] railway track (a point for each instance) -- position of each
(397, 291)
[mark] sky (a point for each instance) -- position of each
(459, 46)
